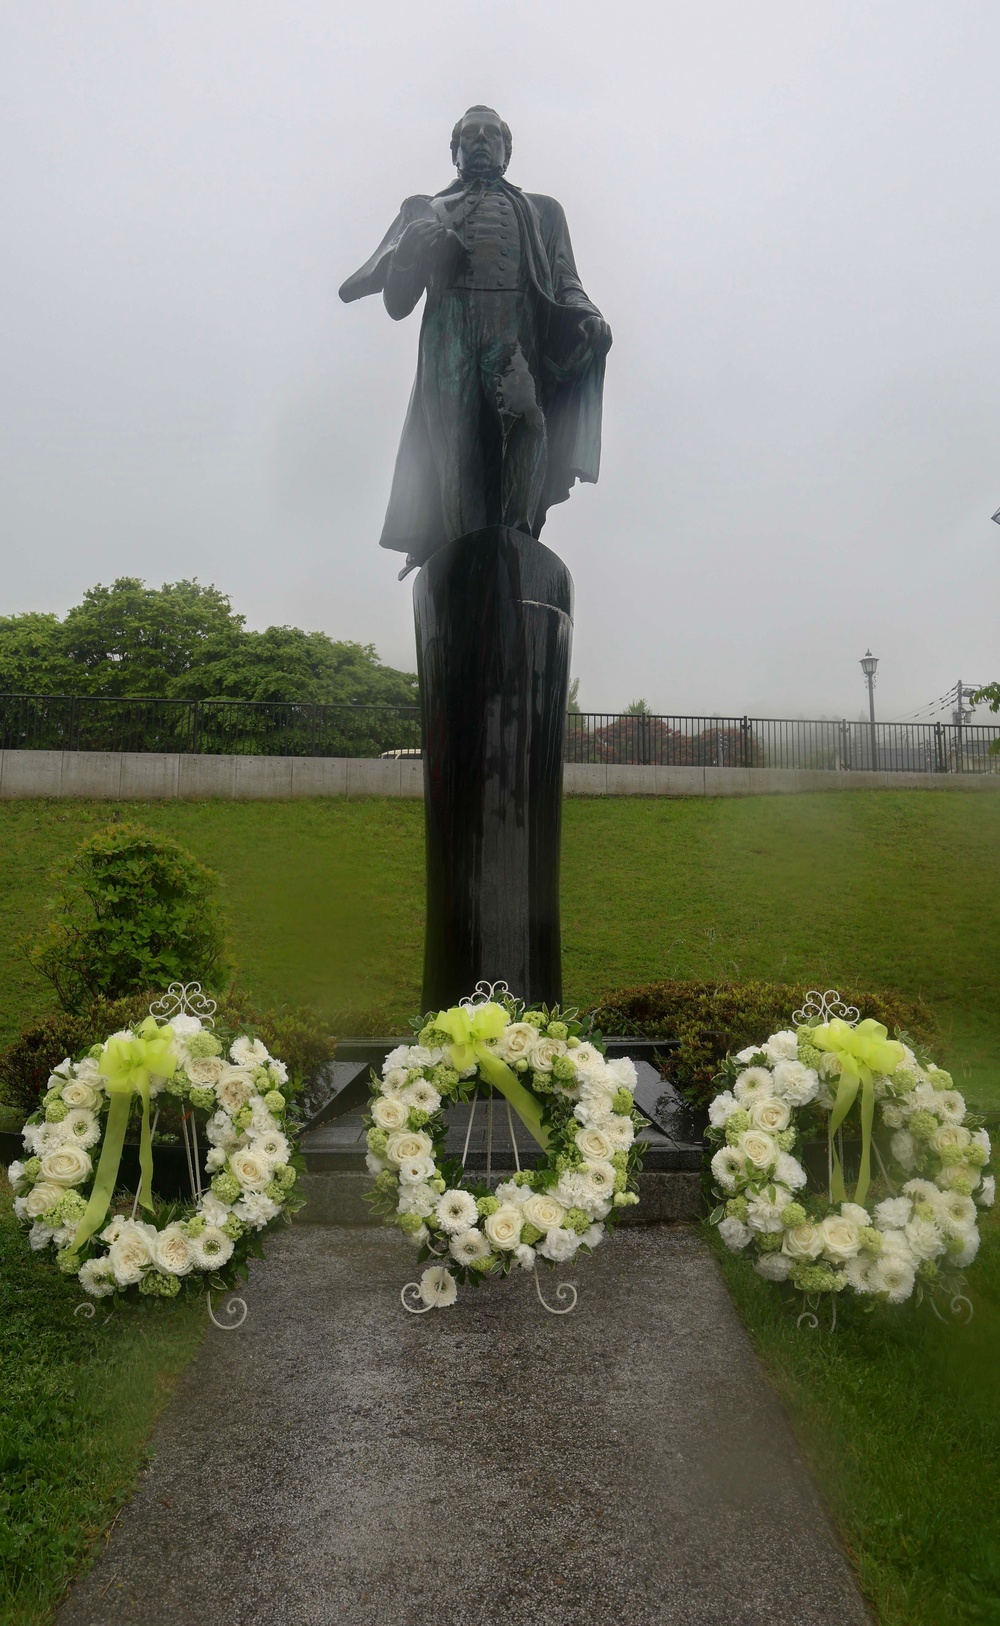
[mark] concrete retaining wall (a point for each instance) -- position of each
(144, 776)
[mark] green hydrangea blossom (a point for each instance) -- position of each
(621, 1180)
(69, 1210)
(176, 1086)
(786, 1139)
(977, 1155)
(954, 1244)
(563, 1070)
(418, 1118)
(737, 1208)
(622, 1102)
(484, 1264)
(275, 1190)
(203, 1098)
(434, 1038)
(738, 1124)
(228, 1189)
(438, 1184)
(203, 1044)
(925, 1210)
(443, 1078)
(871, 1240)
(928, 1271)
(410, 1224)
(386, 1182)
(55, 1094)
(243, 1119)
(964, 1185)
(56, 1111)
(817, 1279)
(275, 1102)
(487, 1205)
(576, 1220)
(534, 1019)
(950, 1155)
(285, 1176)
(261, 1078)
(195, 1225)
(922, 1125)
(809, 1056)
(523, 1177)
(68, 1261)
(541, 1083)
(32, 1169)
(769, 1241)
(530, 1233)
(940, 1079)
(619, 1160)
(232, 1227)
(156, 1284)
(557, 1030)
(793, 1214)
(377, 1140)
(904, 1079)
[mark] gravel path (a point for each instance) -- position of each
(337, 1462)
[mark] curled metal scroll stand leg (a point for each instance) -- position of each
(565, 1289)
(233, 1307)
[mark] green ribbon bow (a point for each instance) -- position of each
(861, 1051)
(126, 1066)
(469, 1030)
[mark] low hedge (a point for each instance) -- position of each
(302, 1039)
(709, 1018)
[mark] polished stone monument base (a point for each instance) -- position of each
(494, 630)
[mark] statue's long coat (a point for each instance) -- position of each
(572, 373)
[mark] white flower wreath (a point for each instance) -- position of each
(910, 1226)
(65, 1188)
(575, 1103)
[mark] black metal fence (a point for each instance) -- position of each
(280, 728)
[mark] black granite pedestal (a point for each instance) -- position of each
(494, 630)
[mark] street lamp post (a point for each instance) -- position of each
(868, 664)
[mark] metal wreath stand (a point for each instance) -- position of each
(824, 1006)
(485, 994)
(187, 999)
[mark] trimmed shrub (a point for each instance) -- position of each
(135, 911)
(303, 1040)
(708, 1019)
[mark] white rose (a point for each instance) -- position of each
(42, 1197)
(770, 1114)
(130, 1254)
(758, 1148)
(516, 1042)
(774, 1267)
(68, 1165)
(407, 1145)
(234, 1090)
(543, 1211)
(797, 1084)
(734, 1234)
(544, 1052)
(173, 1252)
(594, 1144)
(77, 1093)
(840, 1238)
(950, 1137)
(924, 1237)
(802, 1241)
(503, 1227)
(205, 1072)
(947, 1176)
(783, 1046)
(558, 1245)
(251, 1170)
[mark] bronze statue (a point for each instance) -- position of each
(505, 412)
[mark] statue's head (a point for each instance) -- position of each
(481, 143)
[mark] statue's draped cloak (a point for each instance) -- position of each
(572, 373)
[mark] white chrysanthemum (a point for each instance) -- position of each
(261, 1117)
(173, 1250)
(219, 1130)
(417, 1199)
(904, 1149)
(416, 1171)
(789, 1171)
(598, 1085)
(394, 1081)
(438, 1287)
(421, 1096)
(893, 1213)
(456, 1211)
(722, 1108)
(893, 1277)
(925, 1098)
(559, 1245)
(20, 1208)
(774, 1267)
(271, 1145)
(728, 1165)
(248, 1052)
(620, 1131)
(525, 1256)
(783, 1046)
(796, 1083)
(756, 1084)
(987, 1193)
(957, 1213)
(42, 1138)
(82, 1127)
(763, 1213)
(97, 1278)
(969, 1251)
(734, 1233)
(256, 1209)
(859, 1274)
(950, 1106)
(600, 1178)
(211, 1249)
(895, 1245)
(469, 1245)
(587, 1060)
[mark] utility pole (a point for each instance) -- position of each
(963, 692)
(869, 662)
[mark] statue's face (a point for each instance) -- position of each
(481, 149)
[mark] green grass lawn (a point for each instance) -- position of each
(78, 1401)
(892, 889)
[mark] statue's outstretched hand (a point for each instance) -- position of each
(598, 332)
(418, 245)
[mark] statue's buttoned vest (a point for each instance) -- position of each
(492, 241)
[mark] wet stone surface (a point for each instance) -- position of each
(339, 1461)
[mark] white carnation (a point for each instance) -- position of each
(622, 1071)
(248, 1052)
(796, 1083)
(219, 1130)
(734, 1234)
(558, 1245)
(763, 1213)
(893, 1213)
(592, 1236)
(525, 1256)
(986, 1196)
(417, 1199)
(212, 1210)
(256, 1209)
(215, 1159)
(722, 1108)
(789, 1171)
(904, 1149)
(783, 1046)
(774, 1267)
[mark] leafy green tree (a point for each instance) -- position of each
(135, 911)
(637, 708)
(285, 663)
(573, 700)
(130, 639)
(33, 656)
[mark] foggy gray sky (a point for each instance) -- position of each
(790, 215)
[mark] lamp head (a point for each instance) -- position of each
(869, 663)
